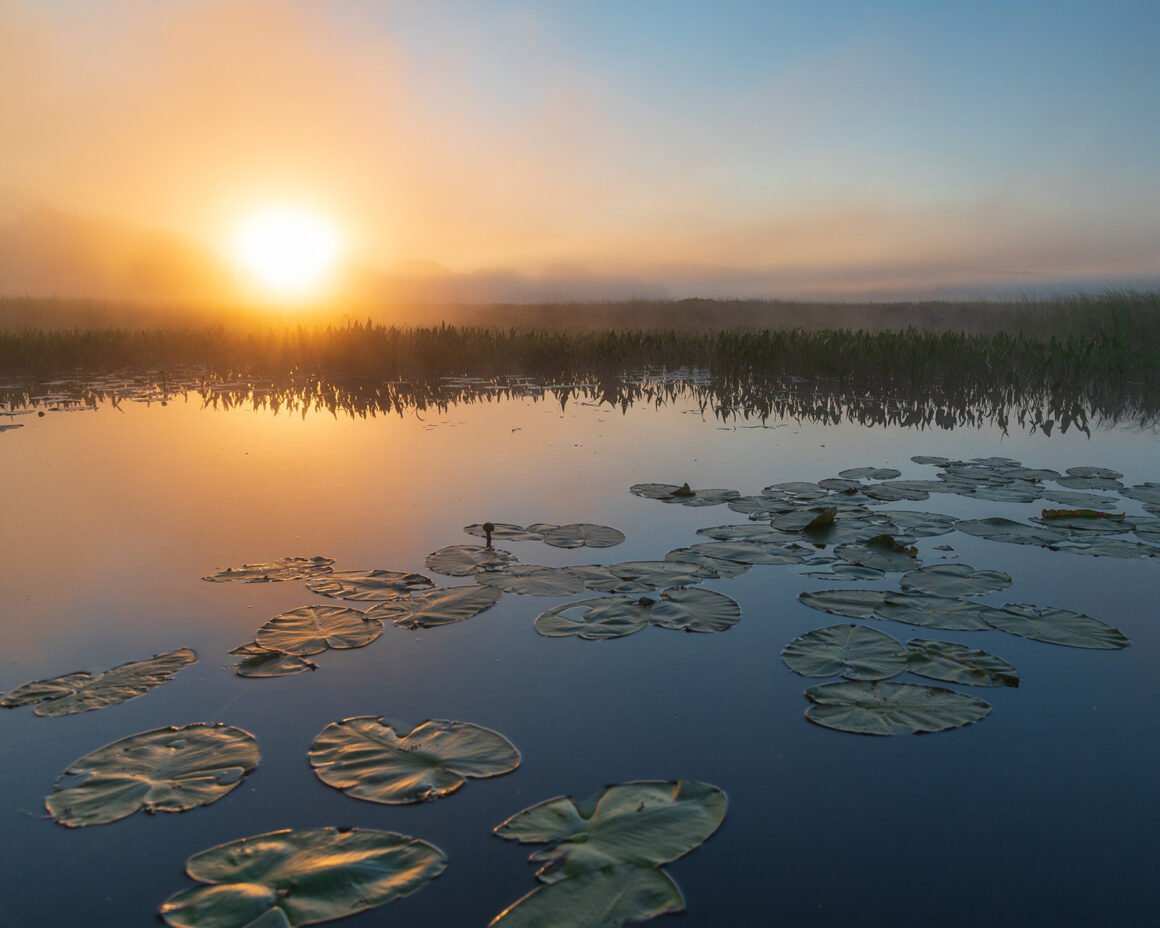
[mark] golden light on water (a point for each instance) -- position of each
(287, 251)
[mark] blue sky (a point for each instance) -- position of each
(829, 147)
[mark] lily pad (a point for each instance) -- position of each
(851, 572)
(583, 534)
(312, 629)
(892, 493)
(610, 897)
(465, 560)
(956, 663)
(870, 473)
(881, 553)
(164, 770)
(534, 580)
(856, 604)
(313, 875)
(854, 651)
(919, 524)
(368, 585)
(1057, 626)
(751, 552)
(930, 459)
(1079, 500)
(82, 692)
(954, 580)
(1011, 532)
(262, 662)
(711, 567)
(694, 610)
(643, 576)
(286, 568)
(645, 823)
(930, 611)
(507, 531)
(884, 708)
(380, 761)
(436, 607)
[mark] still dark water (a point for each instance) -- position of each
(1047, 812)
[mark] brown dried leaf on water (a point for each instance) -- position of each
(286, 568)
(82, 692)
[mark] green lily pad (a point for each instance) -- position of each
(609, 898)
(1093, 482)
(956, 663)
(508, 532)
(851, 572)
(794, 492)
(883, 708)
(534, 580)
(82, 692)
(286, 568)
(465, 560)
(1145, 493)
(747, 531)
(694, 610)
(870, 473)
(436, 607)
(1057, 626)
(1013, 493)
(583, 534)
(854, 651)
(1011, 532)
(368, 585)
(1110, 547)
(164, 770)
(856, 604)
(311, 876)
(919, 524)
(751, 552)
(262, 662)
(643, 576)
(930, 611)
(686, 496)
(892, 493)
(954, 580)
(1079, 500)
(930, 459)
(590, 619)
(645, 823)
(380, 761)
(710, 567)
(312, 629)
(881, 553)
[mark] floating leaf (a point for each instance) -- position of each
(368, 585)
(845, 572)
(534, 580)
(583, 534)
(870, 473)
(920, 524)
(891, 492)
(889, 708)
(752, 552)
(164, 770)
(1079, 500)
(262, 662)
(857, 604)
(286, 568)
(312, 629)
(1010, 532)
(508, 532)
(854, 651)
(1057, 626)
(956, 663)
(954, 580)
(709, 567)
(465, 560)
(881, 553)
(1111, 547)
(436, 607)
(380, 761)
(931, 611)
(641, 576)
(1089, 483)
(1145, 493)
(930, 459)
(693, 610)
(646, 823)
(608, 898)
(313, 875)
(82, 692)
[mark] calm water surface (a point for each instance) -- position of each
(1045, 813)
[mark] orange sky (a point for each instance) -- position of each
(671, 153)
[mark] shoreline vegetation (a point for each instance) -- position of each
(1050, 363)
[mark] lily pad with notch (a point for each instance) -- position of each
(307, 876)
(533, 580)
(608, 897)
(752, 552)
(163, 770)
(83, 692)
(690, 610)
(432, 608)
(711, 567)
(583, 534)
(1011, 532)
(930, 611)
(286, 568)
(368, 585)
(312, 629)
(882, 552)
(395, 764)
(886, 708)
(855, 604)
(957, 663)
(508, 531)
(854, 651)
(954, 580)
(1057, 626)
(257, 661)
(466, 560)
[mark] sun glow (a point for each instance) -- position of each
(288, 251)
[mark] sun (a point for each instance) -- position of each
(287, 250)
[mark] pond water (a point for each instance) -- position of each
(1046, 812)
